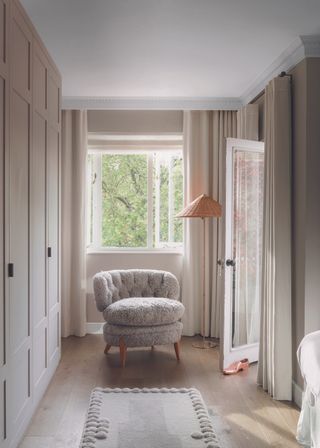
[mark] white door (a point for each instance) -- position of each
(243, 250)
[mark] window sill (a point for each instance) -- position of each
(135, 252)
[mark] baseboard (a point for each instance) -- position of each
(94, 327)
(297, 394)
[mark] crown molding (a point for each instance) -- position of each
(301, 48)
(151, 103)
(311, 45)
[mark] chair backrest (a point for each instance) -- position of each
(110, 286)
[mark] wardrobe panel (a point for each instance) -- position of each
(20, 388)
(20, 56)
(38, 254)
(19, 221)
(2, 204)
(40, 352)
(3, 29)
(54, 334)
(3, 118)
(29, 204)
(3, 429)
(40, 82)
(53, 215)
(53, 99)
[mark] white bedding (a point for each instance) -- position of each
(308, 431)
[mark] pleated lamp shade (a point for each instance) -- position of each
(202, 207)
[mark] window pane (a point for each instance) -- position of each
(124, 200)
(164, 182)
(177, 177)
(168, 199)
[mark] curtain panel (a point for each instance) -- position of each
(205, 134)
(248, 122)
(73, 222)
(275, 357)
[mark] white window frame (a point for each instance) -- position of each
(96, 246)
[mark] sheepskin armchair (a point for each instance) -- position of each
(141, 308)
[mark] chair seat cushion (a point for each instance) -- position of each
(144, 311)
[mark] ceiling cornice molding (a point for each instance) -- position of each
(302, 47)
(151, 103)
(311, 46)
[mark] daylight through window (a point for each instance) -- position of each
(133, 197)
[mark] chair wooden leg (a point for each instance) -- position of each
(107, 348)
(123, 352)
(152, 347)
(177, 350)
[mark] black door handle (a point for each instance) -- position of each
(49, 252)
(230, 262)
(10, 270)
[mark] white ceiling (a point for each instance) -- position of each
(168, 48)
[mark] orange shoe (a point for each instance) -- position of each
(236, 367)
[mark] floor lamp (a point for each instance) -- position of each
(202, 207)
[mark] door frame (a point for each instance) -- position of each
(228, 353)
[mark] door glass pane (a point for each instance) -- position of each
(247, 245)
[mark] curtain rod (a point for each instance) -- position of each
(281, 75)
(257, 97)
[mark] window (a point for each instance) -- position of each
(133, 197)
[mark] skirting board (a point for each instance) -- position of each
(297, 394)
(94, 327)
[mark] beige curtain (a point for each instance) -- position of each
(248, 122)
(275, 358)
(205, 135)
(73, 220)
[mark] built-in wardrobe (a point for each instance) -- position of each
(30, 88)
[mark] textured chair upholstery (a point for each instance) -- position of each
(144, 311)
(110, 286)
(140, 307)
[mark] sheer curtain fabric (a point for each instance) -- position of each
(205, 134)
(275, 357)
(248, 169)
(73, 223)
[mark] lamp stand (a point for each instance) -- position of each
(204, 344)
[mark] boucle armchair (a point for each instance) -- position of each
(140, 307)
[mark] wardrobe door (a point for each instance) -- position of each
(20, 139)
(4, 122)
(38, 252)
(53, 163)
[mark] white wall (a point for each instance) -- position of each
(134, 122)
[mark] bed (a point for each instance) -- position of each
(308, 431)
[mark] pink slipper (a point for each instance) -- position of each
(236, 367)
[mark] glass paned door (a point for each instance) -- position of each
(243, 249)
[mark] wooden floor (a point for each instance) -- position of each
(254, 419)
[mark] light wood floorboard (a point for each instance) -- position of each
(254, 419)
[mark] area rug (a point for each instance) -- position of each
(148, 418)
